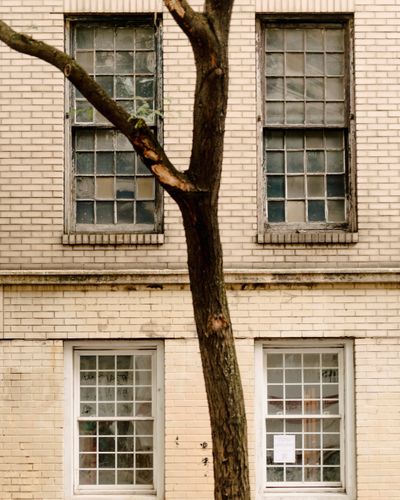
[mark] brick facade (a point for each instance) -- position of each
(53, 291)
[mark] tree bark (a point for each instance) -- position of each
(217, 348)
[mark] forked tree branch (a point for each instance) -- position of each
(193, 24)
(135, 129)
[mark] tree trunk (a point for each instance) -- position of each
(220, 367)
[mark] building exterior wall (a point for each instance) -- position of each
(54, 291)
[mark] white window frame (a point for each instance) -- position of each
(71, 399)
(348, 492)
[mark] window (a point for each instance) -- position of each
(110, 188)
(306, 421)
(114, 422)
(307, 127)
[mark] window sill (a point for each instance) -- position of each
(298, 495)
(113, 239)
(307, 237)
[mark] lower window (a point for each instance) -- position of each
(116, 422)
(306, 422)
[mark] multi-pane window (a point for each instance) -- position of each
(303, 402)
(305, 420)
(111, 188)
(115, 418)
(306, 125)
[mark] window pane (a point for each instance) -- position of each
(84, 112)
(124, 62)
(315, 161)
(295, 187)
(295, 162)
(335, 39)
(125, 187)
(295, 112)
(84, 163)
(275, 162)
(125, 86)
(275, 39)
(315, 88)
(294, 139)
(276, 211)
(315, 112)
(145, 62)
(334, 161)
(275, 88)
(276, 186)
(335, 185)
(105, 163)
(105, 212)
(105, 187)
(314, 40)
(294, 39)
(274, 139)
(145, 188)
(335, 113)
(334, 64)
(334, 89)
(274, 65)
(316, 186)
(85, 212)
(84, 187)
(314, 64)
(275, 113)
(294, 64)
(295, 211)
(336, 211)
(145, 212)
(316, 211)
(125, 214)
(84, 37)
(105, 38)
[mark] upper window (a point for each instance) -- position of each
(307, 126)
(116, 419)
(307, 421)
(111, 189)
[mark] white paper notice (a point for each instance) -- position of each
(285, 449)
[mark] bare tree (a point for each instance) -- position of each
(196, 192)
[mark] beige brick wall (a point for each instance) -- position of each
(32, 158)
(378, 418)
(31, 420)
(108, 313)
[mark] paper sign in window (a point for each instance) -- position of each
(284, 449)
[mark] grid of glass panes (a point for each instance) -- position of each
(122, 59)
(116, 421)
(305, 76)
(305, 173)
(303, 399)
(305, 124)
(111, 185)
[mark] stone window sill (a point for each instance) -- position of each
(113, 239)
(307, 237)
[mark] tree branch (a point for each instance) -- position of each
(135, 129)
(193, 24)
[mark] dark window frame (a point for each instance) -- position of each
(102, 230)
(318, 233)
